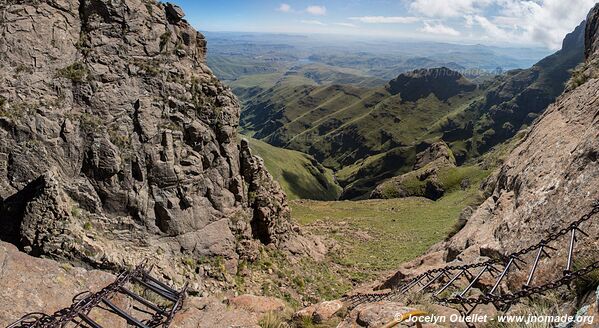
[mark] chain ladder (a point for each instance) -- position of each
(426, 279)
(79, 310)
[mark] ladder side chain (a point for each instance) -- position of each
(79, 311)
(513, 259)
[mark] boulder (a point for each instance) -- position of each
(174, 13)
(326, 310)
(258, 304)
(370, 315)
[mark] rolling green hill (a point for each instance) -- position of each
(340, 124)
(368, 135)
(249, 86)
(300, 175)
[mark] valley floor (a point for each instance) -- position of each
(370, 238)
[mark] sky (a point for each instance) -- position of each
(541, 23)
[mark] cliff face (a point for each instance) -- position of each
(548, 181)
(118, 143)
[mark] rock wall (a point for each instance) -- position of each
(117, 142)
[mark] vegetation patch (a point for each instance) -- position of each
(15, 110)
(450, 178)
(582, 73)
(590, 281)
(149, 67)
(164, 39)
(76, 72)
(89, 123)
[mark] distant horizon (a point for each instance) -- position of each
(363, 38)
(509, 23)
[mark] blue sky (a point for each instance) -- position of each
(531, 22)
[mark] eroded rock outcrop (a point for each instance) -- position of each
(117, 142)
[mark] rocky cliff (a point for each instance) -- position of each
(117, 142)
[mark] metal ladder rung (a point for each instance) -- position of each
(124, 314)
(89, 321)
(142, 300)
(161, 284)
(157, 290)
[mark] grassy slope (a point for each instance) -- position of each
(372, 238)
(340, 124)
(377, 235)
(509, 103)
(449, 178)
(299, 174)
(249, 85)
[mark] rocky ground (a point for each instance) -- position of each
(41, 285)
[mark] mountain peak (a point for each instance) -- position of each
(592, 32)
(443, 82)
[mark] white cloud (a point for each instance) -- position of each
(526, 21)
(317, 10)
(544, 21)
(448, 8)
(507, 22)
(284, 8)
(345, 24)
(492, 31)
(439, 28)
(540, 21)
(386, 19)
(313, 22)
(469, 21)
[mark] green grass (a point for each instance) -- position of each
(299, 174)
(266, 80)
(364, 133)
(75, 72)
(378, 235)
(372, 237)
